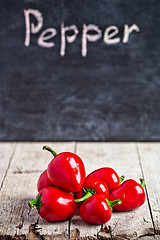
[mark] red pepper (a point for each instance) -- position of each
(44, 181)
(109, 176)
(66, 171)
(54, 204)
(97, 210)
(93, 185)
(130, 193)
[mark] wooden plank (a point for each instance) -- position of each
(152, 237)
(16, 217)
(123, 158)
(150, 159)
(6, 153)
(31, 157)
(20, 186)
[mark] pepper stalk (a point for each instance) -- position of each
(142, 182)
(50, 150)
(36, 203)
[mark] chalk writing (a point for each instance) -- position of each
(90, 33)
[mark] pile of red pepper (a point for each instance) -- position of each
(63, 187)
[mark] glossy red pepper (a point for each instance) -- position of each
(66, 171)
(54, 204)
(130, 193)
(44, 181)
(93, 185)
(97, 210)
(109, 176)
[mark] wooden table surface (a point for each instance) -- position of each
(21, 163)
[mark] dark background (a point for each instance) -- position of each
(111, 94)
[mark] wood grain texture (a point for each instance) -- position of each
(29, 157)
(150, 159)
(28, 161)
(124, 158)
(6, 153)
(16, 217)
(20, 186)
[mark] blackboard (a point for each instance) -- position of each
(79, 70)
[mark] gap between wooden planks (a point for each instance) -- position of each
(22, 163)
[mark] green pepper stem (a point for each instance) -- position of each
(83, 198)
(36, 203)
(121, 179)
(50, 150)
(32, 203)
(142, 182)
(112, 203)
